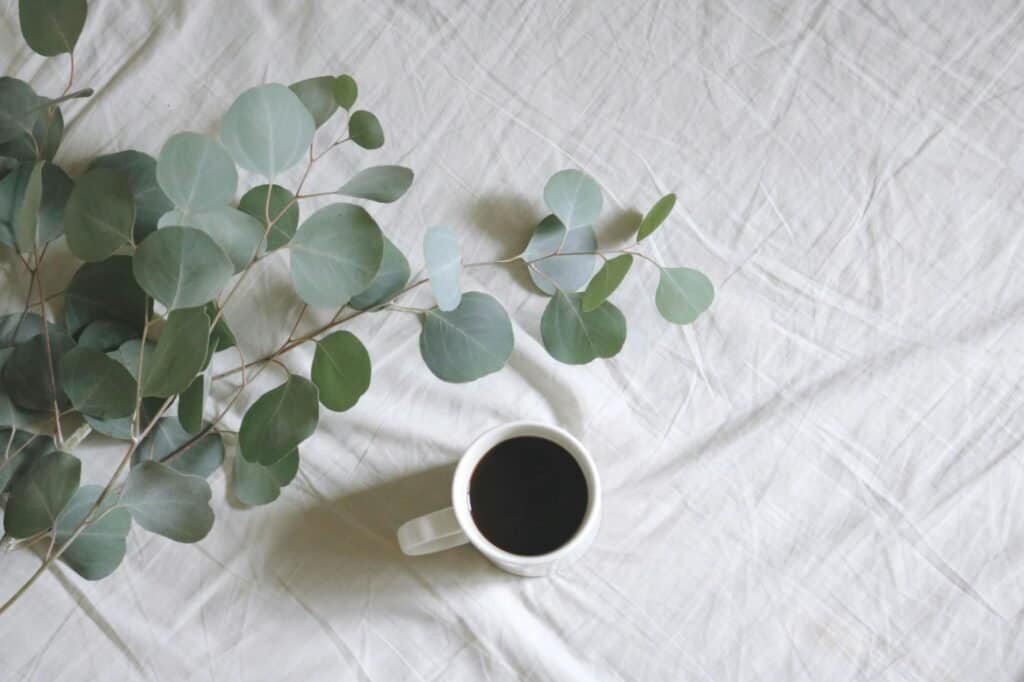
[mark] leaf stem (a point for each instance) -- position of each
(46, 343)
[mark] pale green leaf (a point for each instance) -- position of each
(444, 266)
(574, 197)
(391, 278)
(167, 502)
(196, 173)
(168, 443)
(683, 294)
(255, 484)
(384, 184)
(237, 233)
(267, 129)
(469, 342)
(181, 267)
(566, 273)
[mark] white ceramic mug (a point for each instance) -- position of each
(454, 526)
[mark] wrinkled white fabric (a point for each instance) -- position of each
(820, 480)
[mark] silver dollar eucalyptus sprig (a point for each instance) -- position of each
(164, 249)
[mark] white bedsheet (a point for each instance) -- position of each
(820, 480)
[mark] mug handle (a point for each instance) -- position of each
(431, 533)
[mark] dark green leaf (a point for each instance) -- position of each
(345, 91)
(105, 290)
(606, 281)
(168, 503)
(100, 214)
(576, 337)
(55, 189)
(52, 27)
(100, 547)
(391, 278)
(26, 374)
(26, 219)
(179, 353)
(469, 342)
(107, 335)
(181, 267)
(683, 294)
(379, 183)
(40, 494)
(317, 95)
(267, 129)
(18, 450)
(255, 484)
(656, 216)
(364, 129)
(42, 143)
(19, 108)
(341, 370)
(139, 171)
(279, 421)
(96, 384)
(255, 204)
(189, 453)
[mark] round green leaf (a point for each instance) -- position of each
(196, 173)
(469, 342)
(683, 294)
(574, 197)
(255, 484)
(574, 336)
(39, 495)
(139, 171)
(105, 290)
(255, 204)
(391, 278)
(278, 421)
(179, 354)
(100, 547)
(100, 214)
(317, 95)
(18, 451)
(19, 327)
(26, 219)
(267, 129)
(26, 374)
(191, 454)
(568, 273)
(341, 370)
(19, 108)
(181, 267)
(237, 233)
(364, 129)
(128, 355)
(51, 27)
(107, 335)
(335, 255)
(656, 216)
(97, 385)
(444, 266)
(606, 281)
(379, 183)
(167, 502)
(345, 91)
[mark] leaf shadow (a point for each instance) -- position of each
(508, 220)
(620, 227)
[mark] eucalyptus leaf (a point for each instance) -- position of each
(606, 281)
(567, 273)
(10, 414)
(121, 429)
(683, 294)
(364, 129)
(279, 421)
(283, 229)
(179, 353)
(40, 493)
(444, 266)
(99, 215)
(19, 108)
(656, 216)
(181, 267)
(267, 129)
(469, 342)
(167, 502)
(341, 370)
(576, 337)
(196, 173)
(192, 400)
(194, 454)
(345, 91)
(335, 255)
(100, 547)
(256, 484)
(51, 27)
(42, 142)
(317, 95)
(237, 233)
(384, 184)
(129, 352)
(26, 374)
(221, 333)
(139, 171)
(96, 384)
(19, 327)
(107, 335)
(18, 451)
(574, 197)
(391, 278)
(105, 290)
(54, 191)
(26, 219)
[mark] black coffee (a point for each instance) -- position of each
(528, 496)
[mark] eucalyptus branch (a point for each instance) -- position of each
(137, 412)
(46, 343)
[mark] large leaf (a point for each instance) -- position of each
(139, 171)
(96, 384)
(190, 454)
(100, 214)
(565, 273)
(469, 342)
(18, 451)
(105, 290)
(335, 255)
(107, 335)
(574, 336)
(19, 108)
(345, 91)
(237, 233)
(379, 183)
(656, 216)
(179, 353)
(196, 173)
(606, 281)
(341, 370)
(256, 484)
(267, 129)
(181, 267)
(364, 129)
(10, 414)
(282, 207)
(51, 27)
(574, 197)
(167, 502)
(26, 374)
(444, 266)
(44, 140)
(40, 494)
(128, 355)
(391, 278)
(100, 547)
(278, 421)
(317, 95)
(683, 294)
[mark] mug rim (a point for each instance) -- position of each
(481, 446)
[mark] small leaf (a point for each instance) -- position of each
(237, 233)
(221, 333)
(656, 216)
(27, 219)
(444, 266)
(193, 399)
(51, 27)
(100, 547)
(279, 421)
(683, 294)
(341, 370)
(255, 484)
(19, 108)
(317, 95)
(267, 129)
(390, 279)
(255, 204)
(139, 171)
(469, 342)
(606, 281)
(19, 327)
(185, 452)
(576, 337)
(168, 503)
(345, 91)
(335, 255)
(100, 214)
(18, 451)
(574, 197)
(41, 493)
(179, 353)
(26, 374)
(96, 384)
(364, 129)
(106, 335)
(196, 173)
(181, 267)
(379, 183)
(105, 290)
(568, 273)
